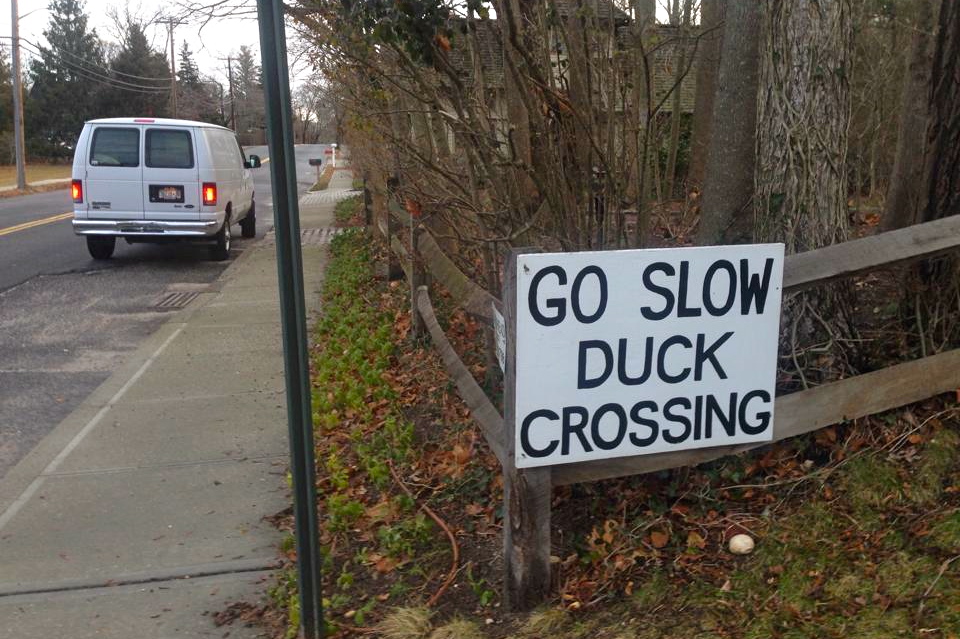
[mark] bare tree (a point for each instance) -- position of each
(712, 17)
(802, 118)
(902, 206)
(729, 179)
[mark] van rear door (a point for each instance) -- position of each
(171, 188)
(114, 173)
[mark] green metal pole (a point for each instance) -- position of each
(283, 176)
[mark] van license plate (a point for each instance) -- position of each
(166, 193)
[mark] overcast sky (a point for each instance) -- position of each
(210, 44)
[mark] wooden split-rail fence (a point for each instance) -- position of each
(527, 492)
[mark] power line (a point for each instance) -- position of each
(107, 80)
(93, 64)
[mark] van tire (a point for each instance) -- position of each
(220, 250)
(101, 247)
(248, 225)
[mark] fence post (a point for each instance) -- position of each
(394, 270)
(367, 204)
(417, 279)
(526, 493)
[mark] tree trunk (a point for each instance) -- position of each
(712, 14)
(932, 295)
(942, 164)
(644, 12)
(801, 173)
(728, 180)
(902, 207)
(802, 119)
(676, 109)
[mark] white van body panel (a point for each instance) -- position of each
(156, 191)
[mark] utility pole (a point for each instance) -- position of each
(233, 102)
(17, 98)
(171, 23)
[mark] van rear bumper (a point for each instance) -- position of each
(146, 227)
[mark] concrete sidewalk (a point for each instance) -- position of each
(141, 515)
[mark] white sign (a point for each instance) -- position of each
(500, 336)
(624, 353)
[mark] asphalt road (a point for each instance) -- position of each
(67, 321)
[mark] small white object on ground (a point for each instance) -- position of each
(741, 544)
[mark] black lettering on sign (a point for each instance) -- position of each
(704, 355)
(762, 417)
(559, 304)
(662, 373)
(598, 345)
(727, 420)
(753, 287)
(608, 444)
(525, 434)
(625, 378)
(643, 421)
(722, 309)
(571, 428)
(575, 295)
(681, 419)
(682, 309)
(664, 292)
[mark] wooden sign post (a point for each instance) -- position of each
(526, 493)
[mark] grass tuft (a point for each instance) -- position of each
(458, 629)
(406, 623)
(545, 623)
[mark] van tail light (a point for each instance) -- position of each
(76, 189)
(209, 193)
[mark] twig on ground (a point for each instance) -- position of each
(453, 540)
(943, 568)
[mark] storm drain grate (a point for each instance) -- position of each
(175, 300)
(310, 237)
(316, 237)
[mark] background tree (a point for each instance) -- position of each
(135, 65)
(6, 108)
(65, 80)
(248, 96)
(903, 203)
(712, 18)
(803, 117)
(197, 98)
(728, 187)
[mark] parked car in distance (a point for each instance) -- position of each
(160, 180)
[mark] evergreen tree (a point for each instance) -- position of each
(6, 108)
(197, 99)
(134, 70)
(188, 74)
(248, 94)
(64, 81)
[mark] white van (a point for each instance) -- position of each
(159, 180)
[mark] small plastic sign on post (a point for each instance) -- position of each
(500, 337)
(622, 353)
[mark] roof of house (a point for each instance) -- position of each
(604, 9)
(489, 48)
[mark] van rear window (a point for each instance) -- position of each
(169, 149)
(115, 147)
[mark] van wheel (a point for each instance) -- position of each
(101, 247)
(221, 247)
(248, 225)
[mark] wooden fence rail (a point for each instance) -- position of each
(526, 533)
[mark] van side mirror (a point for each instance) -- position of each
(253, 162)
